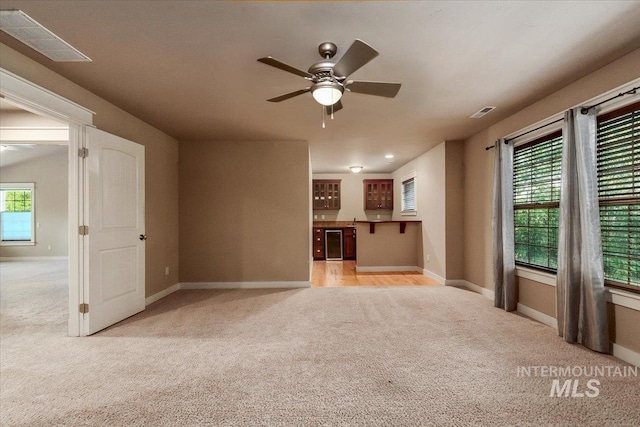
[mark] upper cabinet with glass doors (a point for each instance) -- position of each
(326, 194)
(378, 194)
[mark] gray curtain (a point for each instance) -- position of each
(581, 300)
(504, 267)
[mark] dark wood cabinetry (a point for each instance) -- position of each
(349, 236)
(318, 243)
(378, 194)
(326, 194)
(348, 242)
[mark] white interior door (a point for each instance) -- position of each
(114, 248)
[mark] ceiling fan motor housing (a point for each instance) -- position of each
(327, 50)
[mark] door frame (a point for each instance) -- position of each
(39, 100)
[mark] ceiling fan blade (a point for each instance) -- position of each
(388, 90)
(289, 95)
(355, 57)
(336, 107)
(281, 65)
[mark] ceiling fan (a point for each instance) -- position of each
(329, 78)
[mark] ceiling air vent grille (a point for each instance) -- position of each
(482, 112)
(22, 27)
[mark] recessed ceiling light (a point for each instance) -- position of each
(389, 156)
(24, 28)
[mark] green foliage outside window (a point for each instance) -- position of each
(17, 201)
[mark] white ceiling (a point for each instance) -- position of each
(15, 154)
(189, 67)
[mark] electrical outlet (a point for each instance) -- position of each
(428, 258)
(322, 216)
(378, 216)
(315, 217)
(166, 271)
(49, 247)
(37, 225)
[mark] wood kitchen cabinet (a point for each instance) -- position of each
(349, 236)
(348, 242)
(378, 194)
(326, 194)
(318, 243)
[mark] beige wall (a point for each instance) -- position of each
(537, 295)
(352, 203)
(625, 322)
(431, 199)
(244, 211)
(387, 247)
(454, 209)
(49, 173)
(479, 162)
(439, 192)
(624, 326)
(26, 119)
(161, 154)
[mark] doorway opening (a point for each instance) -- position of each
(34, 226)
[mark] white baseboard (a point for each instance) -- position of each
(487, 293)
(34, 258)
(434, 276)
(625, 354)
(538, 316)
(382, 269)
(244, 285)
(159, 295)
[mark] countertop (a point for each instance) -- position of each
(382, 221)
(333, 224)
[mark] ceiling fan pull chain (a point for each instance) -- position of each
(322, 117)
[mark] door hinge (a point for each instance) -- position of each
(84, 308)
(83, 230)
(83, 152)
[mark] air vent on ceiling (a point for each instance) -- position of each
(22, 27)
(482, 112)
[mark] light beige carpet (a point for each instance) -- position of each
(315, 357)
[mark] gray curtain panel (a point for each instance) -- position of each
(581, 299)
(504, 267)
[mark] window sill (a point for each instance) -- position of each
(409, 213)
(536, 275)
(615, 296)
(17, 243)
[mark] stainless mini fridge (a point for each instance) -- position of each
(333, 245)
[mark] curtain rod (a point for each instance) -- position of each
(583, 110)
(506, 141)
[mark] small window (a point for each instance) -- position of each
(17, 219)
(409, 203)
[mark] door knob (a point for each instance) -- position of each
(143, 237)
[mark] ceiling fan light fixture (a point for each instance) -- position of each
(355, 169)
(327, 93)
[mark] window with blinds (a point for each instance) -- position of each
(409, 195)
(619, 194)
(16, 214)
(536, 197)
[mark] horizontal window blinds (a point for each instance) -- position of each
(618, 151)
(536, 194)
(409, 195)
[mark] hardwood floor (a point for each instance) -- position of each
(343, 273)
